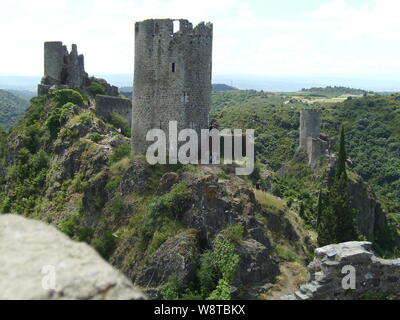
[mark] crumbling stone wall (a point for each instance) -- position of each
(310, 136)
(337, 267)
(172, 77)
(62, 69)
(105, 105)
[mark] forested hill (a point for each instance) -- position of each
(336, 90)
(372, 132)
(12, 108)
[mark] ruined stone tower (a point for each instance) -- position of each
(310, 136)
(62, 69)
(172, 81)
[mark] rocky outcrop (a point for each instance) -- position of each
(256, 265)
(177, 256)
(37, 262)
(349, 271)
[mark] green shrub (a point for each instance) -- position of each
(57, 118)
(222, 292)
(285, 253)
(206, 274)
(113, 184)
(116, 205)
(162, 212)
(71, 227)
(97, 88)
(96, 138)
(235, 233)
(79, 185)
(225, 258)
(172, 289)
(105, 244)
(62, 97)
(120, 152)
(119, 122)
(85, 118)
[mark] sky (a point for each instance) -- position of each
(256, 37)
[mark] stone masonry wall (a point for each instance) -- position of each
(105, 105)
(334, 267)
(172, 77)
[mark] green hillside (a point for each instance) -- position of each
(11, 108)
(372, 130)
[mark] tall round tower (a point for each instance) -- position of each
(172, 80)
(310, 126)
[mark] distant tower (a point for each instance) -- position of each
(172, 80)
(62, 69)
(310, 133)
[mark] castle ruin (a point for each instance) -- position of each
(62, 69)
(173, 68)
(310, 136)
(66, 70)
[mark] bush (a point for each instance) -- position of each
(207, 274)
(161, 214)
(96, 138)
(225, 258)
(235, 234)
(120, 152)
(85, 118)
(105, 244)
(119, 122)
(113, 184)
(285, 253)
(97, 88)
(62, 97)
(222, 292)
(172, 289)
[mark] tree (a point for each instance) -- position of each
(337, 217)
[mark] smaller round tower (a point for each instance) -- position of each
(310, 126)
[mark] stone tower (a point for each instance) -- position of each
(172, 81)
(310, 136)
(62, 69)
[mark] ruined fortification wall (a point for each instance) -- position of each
(349, 271)
(105, 105)
(172, 77)
(62, 69)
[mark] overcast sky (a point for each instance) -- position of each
(263, 37)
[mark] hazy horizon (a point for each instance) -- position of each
(271, 83)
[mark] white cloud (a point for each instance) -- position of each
(336, 37)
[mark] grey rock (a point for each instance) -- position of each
(29, 253)
(177, 256)
(255, 264)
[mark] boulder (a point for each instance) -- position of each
(177, 256)
(37, 262)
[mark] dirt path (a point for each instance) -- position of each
(292, 276)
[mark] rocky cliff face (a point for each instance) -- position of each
(37, 262)
(350, 271)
